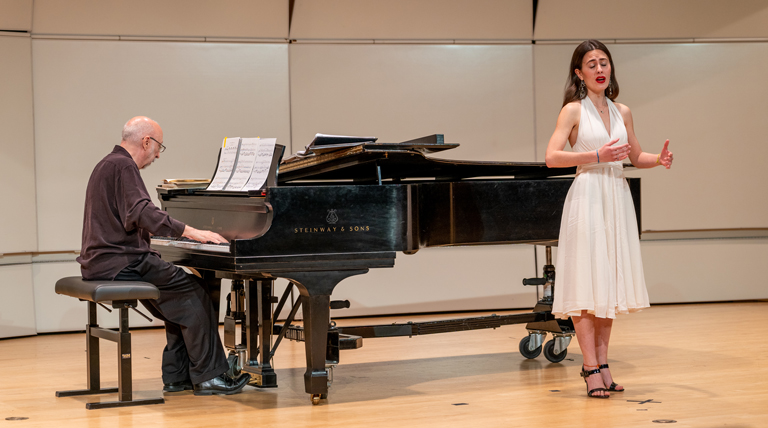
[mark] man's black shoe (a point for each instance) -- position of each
(222, 385)
(184, 385)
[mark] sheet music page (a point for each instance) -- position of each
(265, 149)
(227, 160)
(246, 159)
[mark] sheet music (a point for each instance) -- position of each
(265, 149)
(246, 159)
(227, 161)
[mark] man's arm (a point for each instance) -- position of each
(138, 211)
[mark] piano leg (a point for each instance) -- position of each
(316, 289)
(316, 314)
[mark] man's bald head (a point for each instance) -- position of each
(138, 128)
(143, 139)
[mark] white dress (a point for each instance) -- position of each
(599, 266)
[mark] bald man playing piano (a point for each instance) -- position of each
(119, 220)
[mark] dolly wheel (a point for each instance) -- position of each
(549, 352)
(527, 353)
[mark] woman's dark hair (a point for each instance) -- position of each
(573, 82)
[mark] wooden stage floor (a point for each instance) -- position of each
(701, 365)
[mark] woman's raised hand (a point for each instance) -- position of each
(611, 153)
(665, 157)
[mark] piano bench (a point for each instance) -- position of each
(121, 295)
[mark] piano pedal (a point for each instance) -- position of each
(235, 361)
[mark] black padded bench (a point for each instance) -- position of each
(121, 295)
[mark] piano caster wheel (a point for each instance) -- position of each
(317, 397)
(549, 352)
(527, 353)
(234, 366)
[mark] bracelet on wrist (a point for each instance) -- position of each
(658, 159)
(598, 156)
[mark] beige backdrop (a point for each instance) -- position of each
(691, 70)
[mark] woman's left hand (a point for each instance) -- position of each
(665, 157)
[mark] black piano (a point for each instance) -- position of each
(344, 210)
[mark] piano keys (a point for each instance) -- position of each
(190, 244)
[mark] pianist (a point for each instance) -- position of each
(119, 219)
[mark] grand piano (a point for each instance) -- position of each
(349, 208)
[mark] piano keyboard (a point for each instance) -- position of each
(189, 244)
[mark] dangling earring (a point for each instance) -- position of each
(582, 90)
(610, 89)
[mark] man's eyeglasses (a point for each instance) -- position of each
(162, 147)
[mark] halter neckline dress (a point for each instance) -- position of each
(599, 265)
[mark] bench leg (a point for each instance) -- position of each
(124, 377)
(91, 360)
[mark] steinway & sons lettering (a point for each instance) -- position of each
(332, 229)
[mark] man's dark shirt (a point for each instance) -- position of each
(119, 218)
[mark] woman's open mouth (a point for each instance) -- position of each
(600, 79)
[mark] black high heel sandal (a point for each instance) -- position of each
(591, 392)
(613, 384)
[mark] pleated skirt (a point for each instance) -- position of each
(599, 266)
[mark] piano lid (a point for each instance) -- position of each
(402, 161)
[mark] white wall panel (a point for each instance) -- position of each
(85, 91)
(15, 15)
(650, 19)
(478, 96)
(412, 19)
(55, 312)
(707, 99)
(164, 18)
(551, 64)
(17, 306)
(443, 279)
(706, 270)
(17, 147)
